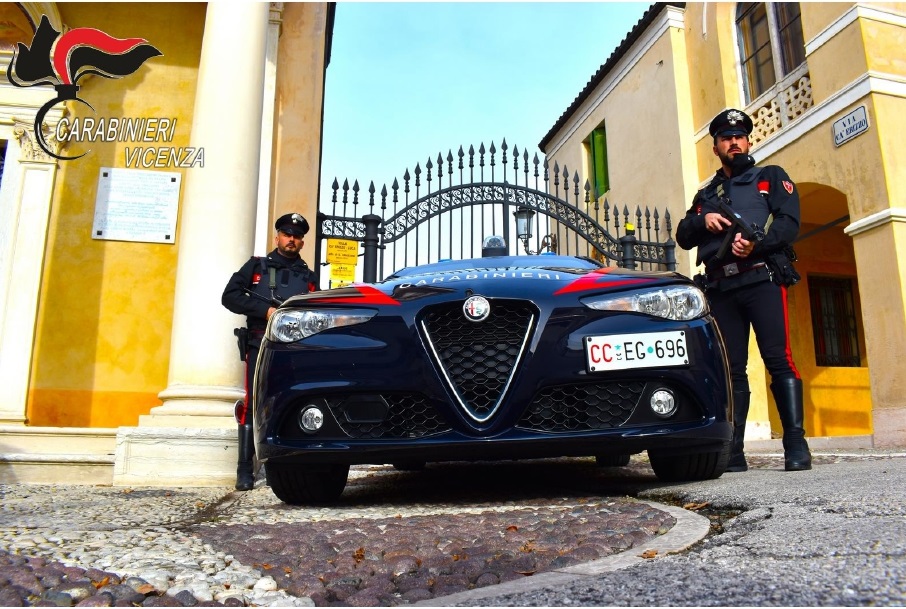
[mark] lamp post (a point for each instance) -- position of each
(524, 216)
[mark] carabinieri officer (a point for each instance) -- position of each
(748, 286)
(255, 291)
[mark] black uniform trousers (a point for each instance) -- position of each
(251, 363)
(251, 358)
(764, 306)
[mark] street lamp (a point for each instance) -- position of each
(524, 217)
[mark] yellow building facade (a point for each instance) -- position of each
(825, 84)
(121, 342)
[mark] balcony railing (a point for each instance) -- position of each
(781, 104)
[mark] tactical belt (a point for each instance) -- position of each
(732, 269)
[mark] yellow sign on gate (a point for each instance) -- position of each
(342, 251)
(341, 274)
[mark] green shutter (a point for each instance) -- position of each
(598, 147)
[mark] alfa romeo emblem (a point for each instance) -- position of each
(476, 308)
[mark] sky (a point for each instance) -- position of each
(409, 80)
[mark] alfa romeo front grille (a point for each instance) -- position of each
(588, 407)
(479, 359)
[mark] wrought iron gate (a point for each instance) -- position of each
(447, 208)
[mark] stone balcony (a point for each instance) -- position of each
(781, 104)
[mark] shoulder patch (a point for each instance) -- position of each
(788, 186)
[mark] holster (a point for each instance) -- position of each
(242, 341)
(781, 265)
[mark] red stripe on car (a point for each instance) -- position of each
(596, 280)
(367, 295)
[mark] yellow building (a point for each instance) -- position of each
(115, 245)
(826, 86)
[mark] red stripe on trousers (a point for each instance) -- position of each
(786, 330)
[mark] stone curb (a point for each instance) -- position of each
(690, 528)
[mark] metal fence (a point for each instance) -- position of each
(446, 209)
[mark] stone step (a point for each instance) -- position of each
(56, 455)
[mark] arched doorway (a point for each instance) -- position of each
(828, 339)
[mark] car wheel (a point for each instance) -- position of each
(691, 466)
(612, 460)
(304, 484)
(409, 466)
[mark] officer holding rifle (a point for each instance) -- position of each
(743, 223)
(256, 290)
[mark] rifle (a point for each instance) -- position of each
(275, 301)
(749, 230)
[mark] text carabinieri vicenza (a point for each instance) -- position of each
(133, 130)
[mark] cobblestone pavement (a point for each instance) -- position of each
(832, 536)
(394, 538)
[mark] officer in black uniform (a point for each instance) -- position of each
(748, 286)
(255, 291)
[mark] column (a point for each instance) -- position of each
(879, 241)
(216, 230)
(26, 196)
(263, 231)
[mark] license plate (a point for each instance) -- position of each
(621, 351)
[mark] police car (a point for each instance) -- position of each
(504, 357)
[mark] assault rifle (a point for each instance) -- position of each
(749, 230)
(275, 301)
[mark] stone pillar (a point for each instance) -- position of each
(263, 230)
(191, 438)
(879, 241)
(218, 216)
(26, 196)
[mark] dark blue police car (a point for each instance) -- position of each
(504, 357)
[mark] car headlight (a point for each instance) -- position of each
(681, 303)
(290, 325)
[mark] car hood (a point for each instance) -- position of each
(499, 277)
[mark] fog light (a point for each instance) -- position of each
(663, 403)
(311, 419)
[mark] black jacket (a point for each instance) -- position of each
(291, 277)
(757, 194)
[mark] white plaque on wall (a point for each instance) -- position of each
(136, 205)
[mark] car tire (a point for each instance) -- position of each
(690, 466)
(612, 460)
(305, 484)
(409, 466)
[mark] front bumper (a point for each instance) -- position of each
(385, 399)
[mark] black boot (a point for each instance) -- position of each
(245, 472)
(737, 462)
(788, 395)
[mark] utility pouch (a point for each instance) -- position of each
(701, 282)
(781, 265)
(242, 341)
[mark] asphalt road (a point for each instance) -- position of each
(832, 536)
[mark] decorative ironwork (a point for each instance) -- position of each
(453, 201)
